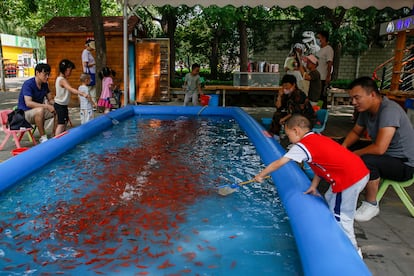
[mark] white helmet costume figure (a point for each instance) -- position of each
(310, 41)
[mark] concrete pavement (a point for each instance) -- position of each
(387, 240)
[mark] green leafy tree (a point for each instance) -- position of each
(193, 44)
(26, 17)
(221, 23)
(254, 25)
(168, 18)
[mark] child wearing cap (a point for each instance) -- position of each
(314, 78)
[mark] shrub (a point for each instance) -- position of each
(341, 83)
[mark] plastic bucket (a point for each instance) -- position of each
(214, 100)
(18, 151)
(204, 99)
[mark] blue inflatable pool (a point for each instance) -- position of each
(323, 247)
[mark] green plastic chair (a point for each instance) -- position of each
(399, 188)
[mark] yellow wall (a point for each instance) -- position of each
(11, 55)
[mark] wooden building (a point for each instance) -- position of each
(65, 39)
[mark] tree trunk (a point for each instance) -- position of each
(243, 51)
(172, 25)
(337, 58)
(243, 46)
(214, 56)
(336, 17)
(99, 35)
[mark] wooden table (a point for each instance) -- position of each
(223, 88)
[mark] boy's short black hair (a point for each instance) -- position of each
(194, 66)
(323, 33)
(367, 83)
(298, 120)
(43, 67)
(65, 64)
(289, 79)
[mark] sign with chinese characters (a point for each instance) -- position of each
(398, 25)
(19, 41)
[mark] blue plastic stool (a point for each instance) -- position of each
(266, 122)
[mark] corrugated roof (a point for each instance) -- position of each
(68, 25)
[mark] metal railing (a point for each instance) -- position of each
(406, 74)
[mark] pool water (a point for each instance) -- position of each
(141, 199)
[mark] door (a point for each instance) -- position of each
(148, 72)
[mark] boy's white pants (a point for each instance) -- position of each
(343, 206)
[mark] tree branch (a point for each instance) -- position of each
(150, 15)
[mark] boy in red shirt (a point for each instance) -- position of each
(343, 170)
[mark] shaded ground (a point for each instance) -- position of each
(386, 241)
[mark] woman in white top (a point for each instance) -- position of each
(62, 98)
(89, 65)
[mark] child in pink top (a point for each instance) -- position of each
(107, 87)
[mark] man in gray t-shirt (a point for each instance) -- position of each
(390, 154)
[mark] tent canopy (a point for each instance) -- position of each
(363, 4)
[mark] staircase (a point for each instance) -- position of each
(384, 71)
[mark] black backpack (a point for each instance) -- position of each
(16, 120)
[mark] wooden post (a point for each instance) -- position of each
(399, 54)
(2, 80)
